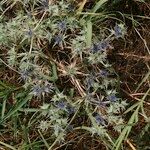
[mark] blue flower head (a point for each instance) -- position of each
(101, 46)
(103, 73)
(99, 119)
(69, 128)
(37, 90)
(90, 82)
(62, 25)
(46, 3)
(61, 105)
(71, 8)
(25, 74)
(58, 39)
(112, 98)
(119, 30)
(48, 87)
(95, 48)
(70, 110)
(29, 33)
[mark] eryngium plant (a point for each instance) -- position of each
(46, 46)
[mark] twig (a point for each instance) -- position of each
(9, 66)
(135, 98)
(131, 145)
(144, 41)
(146, 58)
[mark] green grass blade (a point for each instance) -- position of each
(7, 145)
(98, 5)
(125, 132)
(131, 108)
(3, 108)
(19, 105)
(89, 33)
(45, 142)
(147, 76)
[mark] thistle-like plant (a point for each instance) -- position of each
(63, 65)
